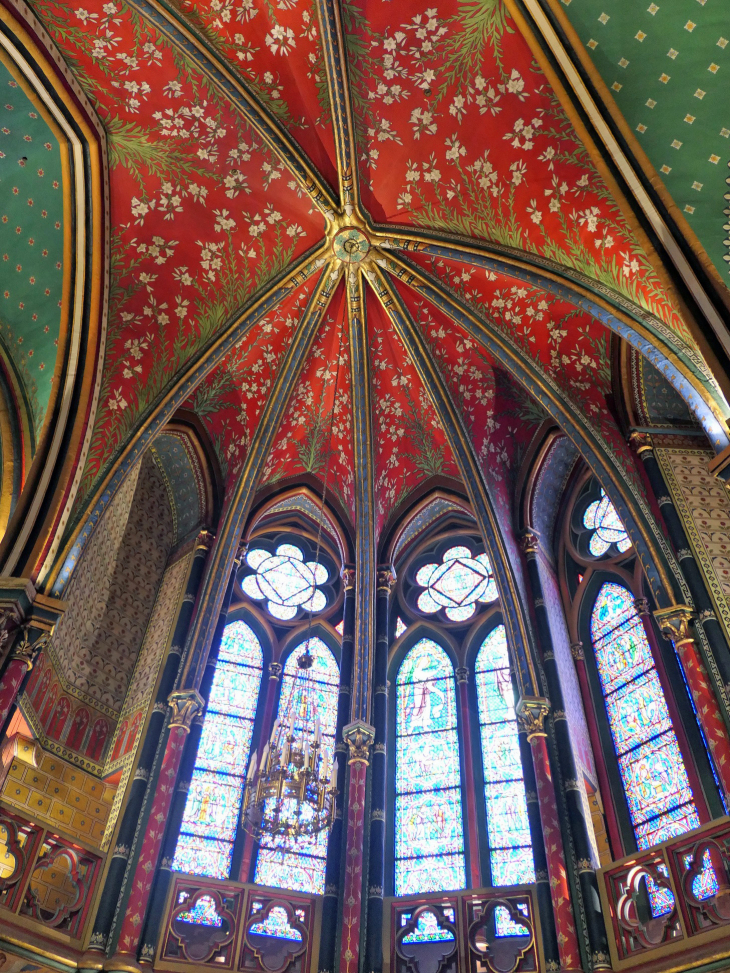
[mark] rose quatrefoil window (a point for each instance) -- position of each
(602, 519)
(456, 585)
(287, 582)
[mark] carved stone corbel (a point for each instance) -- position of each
(674, 623)
(530, 543)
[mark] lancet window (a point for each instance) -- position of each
(652, 768)
(510, 849)
(208, 833)
(301, 867)
(429, 833)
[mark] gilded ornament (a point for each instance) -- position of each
(530, 543)
(531, 713)
(674, 623)
(185, 706)
(359, 737)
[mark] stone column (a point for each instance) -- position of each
(566, 761)
(378, 775)
(474, 876)
(148, 749)
(331, 901)
(531, 713)
(27, 648)
(359, 737)
(689, 567)
(184, 707)
(674, 624)
(161, 881)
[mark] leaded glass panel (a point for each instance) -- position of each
(208, 830)
(285, 581)
(510, 848)
(301, 866)
(429, 833)
(654, 776)
(601, 517)
(457, 584)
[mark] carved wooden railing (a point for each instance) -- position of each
(232, 926)
(45, 880)
(671, 900)
(476, 931)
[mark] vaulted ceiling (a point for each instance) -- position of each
(492, 256)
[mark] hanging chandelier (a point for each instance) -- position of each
(291, 793)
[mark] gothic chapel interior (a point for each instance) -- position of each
(364, 486)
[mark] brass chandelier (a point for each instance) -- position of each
(291, 793)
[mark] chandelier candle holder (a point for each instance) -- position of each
(291, 793)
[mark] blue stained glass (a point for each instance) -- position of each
(428, 930)
(704, 885)
(429, 833)
(208, 830)
(457, 584)
(285, 581)
(276, 924)
(203, 913)
(505, 926)
(508, 828)
(300, 867)
(652, 768)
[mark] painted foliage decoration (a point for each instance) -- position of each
(429, 831)
(508, 829)
(208, 831)
(300, 865)
(652, 769)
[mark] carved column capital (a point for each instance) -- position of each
(25, 650)
(462, 674)
(386, 578)
(275, 670)
(530, 542)
(576, 650)
(204, 541)
(642, 444)
(642, 606)
(359, 737)
(674, 623)
(531, 713)
(348, 578)
(185, 705)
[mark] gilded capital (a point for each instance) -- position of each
(462, 674)
(348, 578)
(27, 651)
(576, 650)
(185, 705)
(204, 540)
(642, 444)
(359, 737)
(275, 670)
(386, 579)
(530, 543)
(642, 606)
(674, 623)
(531, 713)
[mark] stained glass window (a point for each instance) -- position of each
(400, 627)
(285, 581)
(300, 866)
(652, 769)
(602, 519)
(508, 829)
(457, 584)
(205, 845)
(429, 832)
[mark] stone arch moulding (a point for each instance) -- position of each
(51, 480)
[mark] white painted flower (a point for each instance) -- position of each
(281, 40)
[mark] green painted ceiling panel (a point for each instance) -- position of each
(31, 240)
(667, 64)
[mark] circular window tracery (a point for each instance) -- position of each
(457, 584)
(601, 518)
(286, 581)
